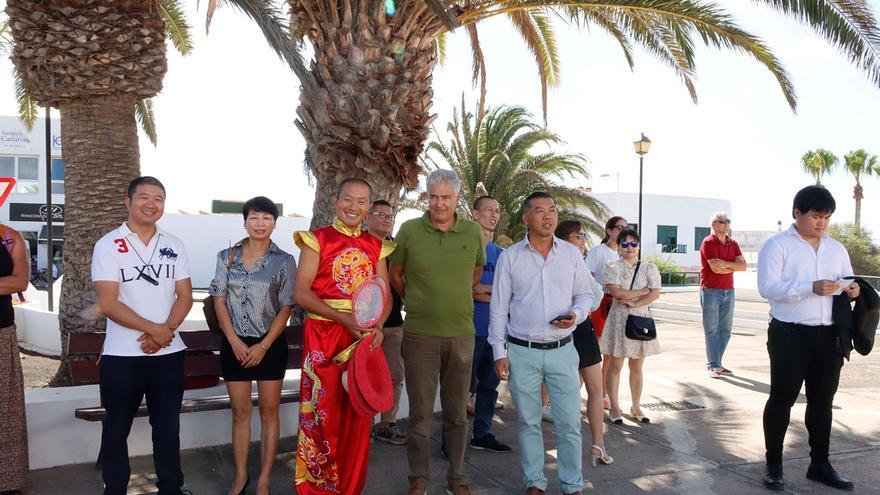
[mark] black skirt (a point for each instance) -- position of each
(272, 367)
(587, 345)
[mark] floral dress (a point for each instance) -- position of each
(613, 341)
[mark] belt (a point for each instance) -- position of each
(540, 345)
(798, 325)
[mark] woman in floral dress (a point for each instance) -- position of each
(617, 279)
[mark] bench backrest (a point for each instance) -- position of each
(202, 353)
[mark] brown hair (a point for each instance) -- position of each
(567, 228)
(610, 224)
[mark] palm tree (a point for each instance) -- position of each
(858, 163)
(507, 155)
(365, 103)
(819, 162)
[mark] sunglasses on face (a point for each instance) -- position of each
(630, 244)
(619, 227)
(579, 235)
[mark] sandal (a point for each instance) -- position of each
(639, 418)
(602, 457)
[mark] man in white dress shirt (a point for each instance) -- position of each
(541, 292)
(799, 272)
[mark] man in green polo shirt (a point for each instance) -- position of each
(438, 260)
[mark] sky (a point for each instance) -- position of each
(225, 116)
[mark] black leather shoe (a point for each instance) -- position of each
(824, 473)
(773, 477)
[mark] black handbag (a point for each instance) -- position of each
(208, 302)
(639, 327)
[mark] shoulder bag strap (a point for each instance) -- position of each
(636, 272)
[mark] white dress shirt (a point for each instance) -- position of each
(787, 267)
(529, 291)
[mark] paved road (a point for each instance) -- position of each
(714, 449)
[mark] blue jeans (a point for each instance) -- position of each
(484, 382)
(717, 322)
(558, 369)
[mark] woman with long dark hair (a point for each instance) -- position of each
(14, 275)
(590, 358)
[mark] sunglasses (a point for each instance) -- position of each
(579, 235)
(620, 227)
(625, 244)
(725, 222)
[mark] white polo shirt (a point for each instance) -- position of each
(121, 257)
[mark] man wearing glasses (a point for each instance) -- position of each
(380, 223)
(720, 256)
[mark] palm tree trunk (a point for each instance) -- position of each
(857, 195)
(323, 210)
(101, 156)
(364, 111)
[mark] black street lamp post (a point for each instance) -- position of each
(641, 146)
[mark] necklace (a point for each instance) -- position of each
(142, 275)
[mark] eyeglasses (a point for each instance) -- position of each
(579, 235)
(383, 216)
(725, 222)
(620, 227)
(625, 244)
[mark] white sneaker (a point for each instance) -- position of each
(546, 415)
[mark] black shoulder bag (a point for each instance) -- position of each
(208, 302)
(639, 327)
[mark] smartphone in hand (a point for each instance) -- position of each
(566, 316)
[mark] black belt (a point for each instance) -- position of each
(799, 326)
(556, 344)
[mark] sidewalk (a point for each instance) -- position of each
(716, 449)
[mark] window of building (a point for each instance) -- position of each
(667, 236)
(57, 176)
(700, 233)
(25, 169)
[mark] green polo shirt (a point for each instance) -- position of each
(439, 270)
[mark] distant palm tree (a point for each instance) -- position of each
(858, 163)
(507, 155)
(819, 162)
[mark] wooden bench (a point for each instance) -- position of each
(201, 368)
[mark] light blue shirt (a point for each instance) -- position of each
(529, 291)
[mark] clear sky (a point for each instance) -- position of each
(226, 115)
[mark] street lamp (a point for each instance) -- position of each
(642, 146)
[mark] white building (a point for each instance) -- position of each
(675, 226)
(23, 156)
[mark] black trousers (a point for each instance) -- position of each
(801, 354)
(124, 383)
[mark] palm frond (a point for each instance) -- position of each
(664, 27)
(534, 28)
(27, 107)
(479, 67)
(276, 30)
(177, 28)
(440, 49)
(143, 111)
(849, 25)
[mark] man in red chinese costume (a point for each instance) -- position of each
(334, 440)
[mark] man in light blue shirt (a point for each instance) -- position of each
(541, 291)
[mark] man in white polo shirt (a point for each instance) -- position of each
(142, 282)
(799, 270)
